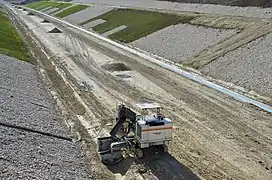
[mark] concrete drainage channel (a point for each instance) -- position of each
(165, 64)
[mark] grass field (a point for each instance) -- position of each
(139, 23)
(71, 10)
(44, 4)
(11, 43)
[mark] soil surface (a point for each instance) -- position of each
(215, 137)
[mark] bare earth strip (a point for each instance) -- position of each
(215, 136)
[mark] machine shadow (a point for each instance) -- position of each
(162, 165)
(165, 166)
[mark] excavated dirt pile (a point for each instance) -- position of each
(116, 67)
(45, 21)
(30, 14)
(55, 30)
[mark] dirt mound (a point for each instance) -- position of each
(30, 14)
(45, 21)
(116, 67)
(55, 30)
(242, 3)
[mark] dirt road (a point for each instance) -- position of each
(215, 137)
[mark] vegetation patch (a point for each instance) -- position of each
(71, 10)
(11, 43)
(139, 23)
(44, 4)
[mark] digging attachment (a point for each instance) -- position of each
(107, 155)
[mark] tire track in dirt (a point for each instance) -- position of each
(228, 119)
(197, 121)
(99, 171)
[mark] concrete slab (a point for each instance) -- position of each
(87, 14)
(50, 10)
(93, 23)
(45, 9)
(115, 30)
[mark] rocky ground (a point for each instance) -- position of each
(249, 66)
(180, 42)
(203, 8)
(35, 142)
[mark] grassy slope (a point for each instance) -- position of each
(71, 10)
(11, 43)
(139, 23)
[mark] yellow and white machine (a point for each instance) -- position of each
(152, 130)
(134, 131)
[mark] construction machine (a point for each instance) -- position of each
(134, 132)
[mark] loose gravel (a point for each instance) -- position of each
(87, 14)
(182, 41)
(203, 8)
(249, 66)
(26, 155)
(24, 102)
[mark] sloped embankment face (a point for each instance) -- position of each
(242, 3)
(139, 23)
(249, 66)
(10, 42)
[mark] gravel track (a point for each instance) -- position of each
(203, 8)
(249, 66)
(24, 102)
(115, 30)
(93, 23)
(49, 11)
(180, 42)
(60, 10)
(45, 9)
(87, 14)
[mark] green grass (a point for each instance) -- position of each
(71, 10)
(44, 4)
(139, 23)
(11, 43)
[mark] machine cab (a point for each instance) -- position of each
(152, 128)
